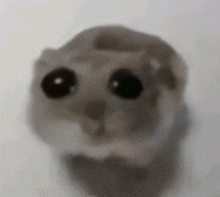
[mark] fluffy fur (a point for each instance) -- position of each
(135, 133)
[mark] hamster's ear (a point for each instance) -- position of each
(46, 56)
(110, 42)
(167, 77)
(175, 75)
(47, 53)
(41, 63)
(118, 38)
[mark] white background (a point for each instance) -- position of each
(27, 26)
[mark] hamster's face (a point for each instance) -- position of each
(105, 102)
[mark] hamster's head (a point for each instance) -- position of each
(109, 91)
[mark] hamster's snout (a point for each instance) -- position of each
(95, 110)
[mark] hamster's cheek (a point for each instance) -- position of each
(167, 104)
(69, 137)
(64, 135)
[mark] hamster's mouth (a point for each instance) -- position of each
(101, 135)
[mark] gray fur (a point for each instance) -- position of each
(108, 125)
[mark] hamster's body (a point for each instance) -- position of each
(108, 100)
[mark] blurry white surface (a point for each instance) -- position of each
(192, 26)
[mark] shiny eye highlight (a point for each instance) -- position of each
(59, 83)
(125, 85)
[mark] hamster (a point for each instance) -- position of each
(108, 100)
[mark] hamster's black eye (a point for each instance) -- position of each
(59, 83)
(125, 85)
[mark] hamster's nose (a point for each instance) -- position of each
(95, 110)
